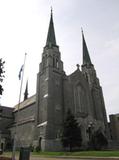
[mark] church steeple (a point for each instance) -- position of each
(51, 40)
(86, 57)
(51, 56)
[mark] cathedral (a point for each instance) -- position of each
(39, 119)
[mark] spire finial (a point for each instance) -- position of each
(51, 11)
(82, 30)
(78, 66)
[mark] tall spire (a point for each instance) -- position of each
(26, 91)
(86, 57)
(51, 32)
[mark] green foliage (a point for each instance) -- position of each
(1, 74)
(85, 154)
(71, 135)
(37, 149)
(98, 140)
(31, 148)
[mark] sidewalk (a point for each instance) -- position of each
(37, 157)
(72, 158)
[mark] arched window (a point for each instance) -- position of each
(53, 62)
(57, 64)
(80, 99)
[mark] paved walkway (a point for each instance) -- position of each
(32, 157)
(70, 158)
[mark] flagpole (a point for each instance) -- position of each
(14, 143)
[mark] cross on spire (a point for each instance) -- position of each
(78, 66)
(51, 10)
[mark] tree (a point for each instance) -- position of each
(99, 140)
(1, 74)
(71, 135)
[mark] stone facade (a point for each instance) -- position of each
(40, 117)
(114, 126)
(25, 119)
(6, 121)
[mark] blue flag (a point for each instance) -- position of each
(20, 72)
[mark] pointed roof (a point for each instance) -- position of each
(51, 32)
(86, 57)
(26, 91)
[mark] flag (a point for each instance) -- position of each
(20, 72)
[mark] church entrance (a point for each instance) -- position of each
(40, 139)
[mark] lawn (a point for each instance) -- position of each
(76, 154)
(81, 153)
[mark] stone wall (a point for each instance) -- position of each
(114, 126)
(25, 126)
(6, 120)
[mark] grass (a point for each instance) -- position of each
(75, 154)
(80, 154)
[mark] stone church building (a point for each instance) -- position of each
(40, 117)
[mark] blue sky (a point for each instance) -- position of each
(24, 26)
